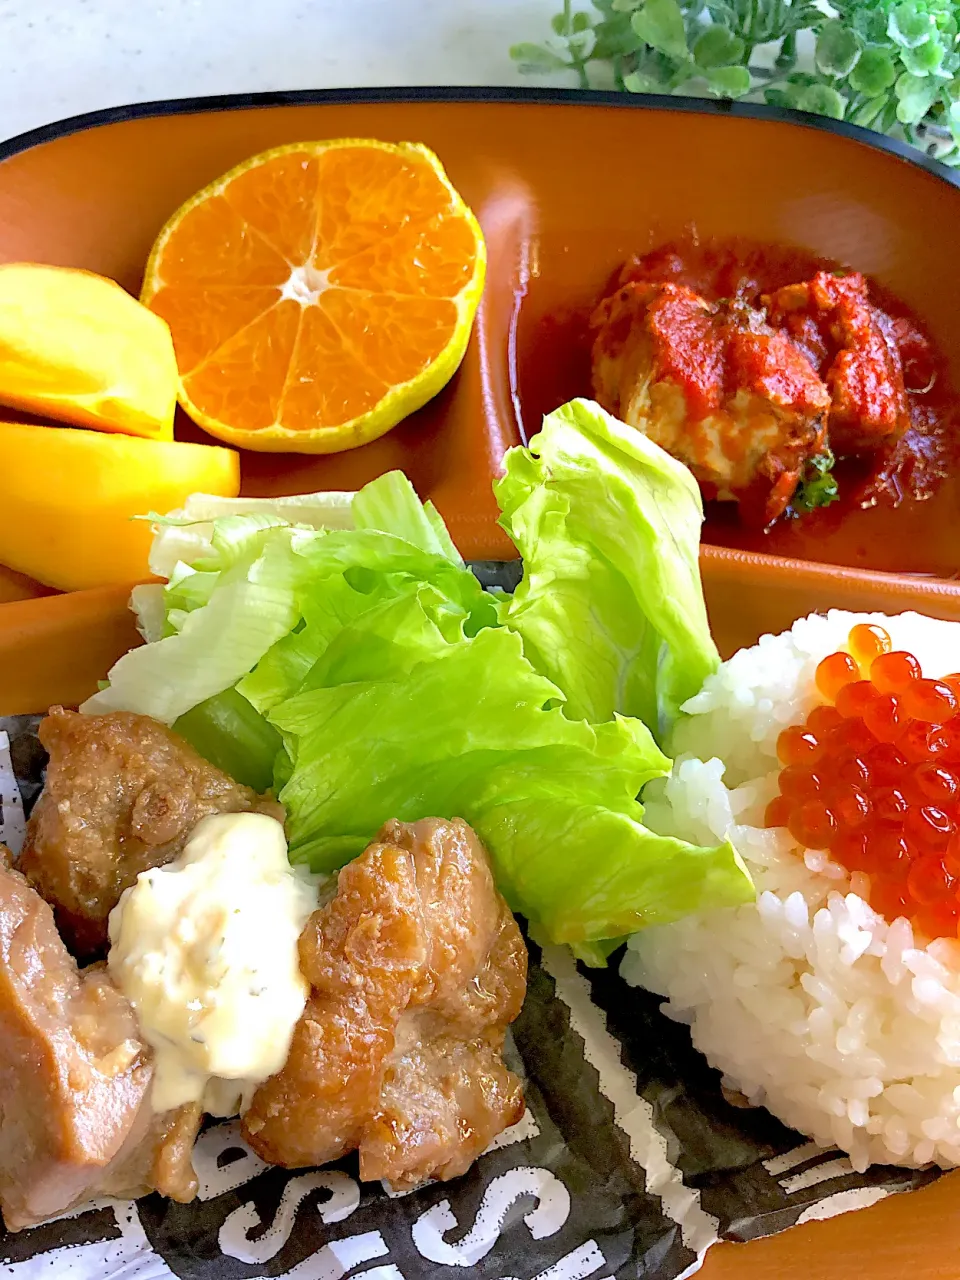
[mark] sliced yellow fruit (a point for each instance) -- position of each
(17, 586)
(318, 293)
(76, 347)
(70, 498)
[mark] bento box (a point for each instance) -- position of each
(632, 1156)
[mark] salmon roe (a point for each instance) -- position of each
(873, 777)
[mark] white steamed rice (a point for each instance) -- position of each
(845, 1026)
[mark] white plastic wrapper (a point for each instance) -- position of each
(12, 821)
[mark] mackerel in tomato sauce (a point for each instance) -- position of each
(782, 380)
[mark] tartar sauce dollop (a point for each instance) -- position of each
(205, 949)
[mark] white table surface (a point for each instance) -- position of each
(61, 57)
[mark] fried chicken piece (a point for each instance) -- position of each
(445, 1098)
(122, 794)
(75, 1115)
(443, 1102)
(416, 969)
(361, 954)
(716, 386)
(162, 1160)
(857, 348)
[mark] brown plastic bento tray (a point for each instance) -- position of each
(565, 187)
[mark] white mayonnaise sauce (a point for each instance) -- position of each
(205, 949)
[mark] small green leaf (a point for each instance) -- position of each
(822, 100)
(616, 38)
(868, 114)
(925, 59)
(795, 86)
(717, 47)
(909, 26)
(794, 96)
(870, 25)
(915, 97)
(888, 121)
(579, 21)
(776, 97)
(838, 49)
(874, 73)
(660, 24)
(786, 59)
(535, 60)
(640, 82)
(952, 120)
(581, 44)
(683, 71)
(728, 82)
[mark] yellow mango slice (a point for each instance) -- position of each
(69, 498)
(76, 347)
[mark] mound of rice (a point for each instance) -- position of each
(845, 1026)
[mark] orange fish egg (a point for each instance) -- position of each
(867, 641)
(883, 716)
(798, 745)
(854, 698)
(931, 701)
(893, 672)
(873, 776)
(834, 673)
(823, 719)
(798, 784)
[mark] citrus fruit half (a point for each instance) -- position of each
(70, 498)
(318, 293)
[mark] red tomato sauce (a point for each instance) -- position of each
(905, 521)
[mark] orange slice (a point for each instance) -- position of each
(318, 293)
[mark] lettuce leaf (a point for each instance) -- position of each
(186, 535)
(465, 727)
(391, 504)
(610, 606)
(259, 579)
(218, 635)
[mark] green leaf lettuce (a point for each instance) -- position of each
(610, 607)
(415, 725)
